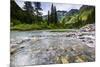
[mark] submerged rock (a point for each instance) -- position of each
(75, 47)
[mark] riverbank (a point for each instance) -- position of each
(35, 27)
(43, 26)
(52, 47)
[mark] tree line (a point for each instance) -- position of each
(31, 14)
(31, 17)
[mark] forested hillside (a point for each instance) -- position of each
(31, 18)
(85, 15)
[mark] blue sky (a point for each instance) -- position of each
(47, 6)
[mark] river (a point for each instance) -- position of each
(45, 47)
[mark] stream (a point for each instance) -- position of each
(45, 47)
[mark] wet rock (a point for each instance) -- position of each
(83, 41)
(62, 59)
(13, 50)
(47, 49)
(58, 60)
(78, 59)
(25, 40)
(90, 41)
(21, 47)
(81, 37)
(71, 59)
(89, 27)
(68, 35)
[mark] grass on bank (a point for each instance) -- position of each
(24, 27)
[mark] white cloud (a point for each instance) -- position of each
(47, 6)
(67, 7)
(20, 3)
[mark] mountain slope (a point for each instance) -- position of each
(60, 15)
(86, 15)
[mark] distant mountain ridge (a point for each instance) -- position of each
(72, 11)
(61, 14)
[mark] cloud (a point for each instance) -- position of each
(20, 3)
(47, 6)
(67, 7)
(59, 6)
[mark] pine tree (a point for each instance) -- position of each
(52, 14)
(37, 10)
(48, 20)
(29, 14)
(28, 7)
(55, 15)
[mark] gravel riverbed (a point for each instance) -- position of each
(37, 48)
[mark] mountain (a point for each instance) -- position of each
(76, 19)
(87, 14)
(60, 15)
(72, 12)
(45, 17)
(70, 16)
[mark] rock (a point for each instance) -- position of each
(13, 50)
(90, 41)
(88, 28)
(71, 59)
(58, 60)
(68, 35)
(78, 59)
(21, 47)
(64, 59)
(71, 34)
(81, 37)
(83, 41)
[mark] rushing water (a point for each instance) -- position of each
(41, 47)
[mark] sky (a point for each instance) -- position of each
(47, 6)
